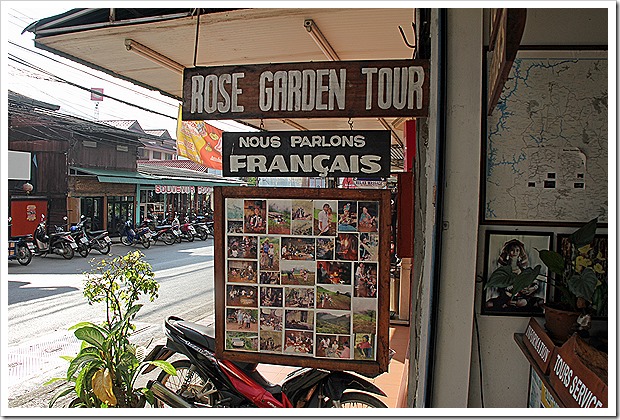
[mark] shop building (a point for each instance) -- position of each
(459, 355)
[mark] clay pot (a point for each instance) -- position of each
(559, 323)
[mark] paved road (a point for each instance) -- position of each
(45, 298)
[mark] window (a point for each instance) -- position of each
(157, 155)
(168, 156)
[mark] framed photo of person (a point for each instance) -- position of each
(518, 250)
(302, 280)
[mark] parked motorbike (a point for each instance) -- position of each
(205, 381)
(88, 240)
(78, 232)
(129, 236)
(176, 229)
(203, 227)
(187, 231)
(21, 248)
(59, 242)
(163, 233)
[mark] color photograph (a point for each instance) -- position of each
(271, 341)
(234, 209)
(369, 247)
(333, 346)
(297, 248)
(247, 341)
(254, 216)
(271, 319)
(365, 279)
(368, 218)
(279, 217)
(242, 247)
(333, 297)
(238, 319)
(271, 296)
(325, 218)
(325, 248)
(301, 227)
(346, 246)
(246, 296)
(330, 322)
(347, 216)
(242, 271)
(364, 347)
(298, 342)
(295, 319)
(270, 277)
(333, 272)
(364, 315)
(269, 253)
(302, 210)
(235, 226)
(299, 297)
(298, 273)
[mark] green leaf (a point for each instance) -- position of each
(585, 234)
(132, 311)
(163, 365)
(502, 277)
(79, 361)
(553, 260)
(60, 393)
(582, 285)
(526, 278)
(52, 380)
(91, 335)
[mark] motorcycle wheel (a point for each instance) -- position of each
(125, 240)
(169, 238)
(189, 385)
(67, 251)
(83, 251)
(102, 246)
(146, 243)
(24, 256)
(204, 235)
(189, 237)
(360, 400)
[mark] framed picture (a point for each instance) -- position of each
(547, 163)
(594, 256)
(302, 277)
(518, 250)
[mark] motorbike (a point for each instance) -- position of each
(163, 233)
(176, 229)
(21, 248)
(129, 236)
(203, 380)
(88, 240)
(187, 231)
(204, 228)
(78, 232)
(58, 242)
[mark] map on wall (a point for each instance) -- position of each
(547, 140)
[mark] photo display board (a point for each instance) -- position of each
(302, 277)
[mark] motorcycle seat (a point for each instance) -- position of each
(200, 334)
(95, 232)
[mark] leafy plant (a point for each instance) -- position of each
(104, 372)
(579, 287)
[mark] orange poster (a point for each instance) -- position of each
(200, 142)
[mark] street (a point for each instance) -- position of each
(45, 299)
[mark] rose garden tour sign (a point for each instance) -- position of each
(395, 88)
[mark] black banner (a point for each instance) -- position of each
(322, 153)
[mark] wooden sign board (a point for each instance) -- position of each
(579, 385)
(394, 88)
(539, 344)
(307, 153)
(302, 277)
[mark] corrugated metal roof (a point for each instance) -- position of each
(176, 163)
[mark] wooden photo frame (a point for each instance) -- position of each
(294, 288)
(524, 246)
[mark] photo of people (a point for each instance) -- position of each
(299, 297)
(364, 315)
(279, 217)
(295, 319)
(254, 216)
(242, 247)
(325, 248)
(271, 341)
(271, 296)
(242, 271)
(369, 247)
(298, 342)
(368, 216)
(333, 297)
(298, 273)
(330, 322)
(301, 227)
(235, 226)
(333, 272)
(347, 216)
(246, 296)
(365, 279)
(269, 253)
(247, 341)
(346, 246)
(297, 248)
(238, 319)
(364, 347)
(302, 210)
(333, 346)
(271, 319)
(234, 209)
(270, 277)
(325, 218)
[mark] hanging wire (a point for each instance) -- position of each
(197, 31)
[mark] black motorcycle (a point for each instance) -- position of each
(203, 380)
(78, 233)
(58, 242)
(142, 235)
(21, 248)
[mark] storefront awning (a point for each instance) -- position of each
(137, 178)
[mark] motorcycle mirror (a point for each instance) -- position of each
(65, 218)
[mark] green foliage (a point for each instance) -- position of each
(104, 371)
(576, 285)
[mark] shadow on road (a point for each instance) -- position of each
(18, 293)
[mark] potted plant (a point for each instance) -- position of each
(104, 372)
(581, 293)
